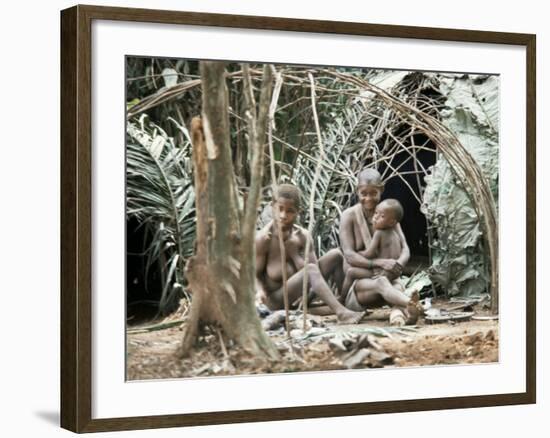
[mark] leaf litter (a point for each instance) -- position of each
(324, 346)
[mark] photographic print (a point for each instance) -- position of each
(292, 203)
(292, 218)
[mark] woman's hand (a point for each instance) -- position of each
(390, 265)
(261, 297)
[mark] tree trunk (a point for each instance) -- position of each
(221, 274)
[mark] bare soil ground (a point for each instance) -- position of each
(153, 354)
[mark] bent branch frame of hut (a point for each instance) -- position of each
(467, 171)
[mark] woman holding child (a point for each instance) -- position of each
(375, 251)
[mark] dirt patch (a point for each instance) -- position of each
(153, 354)
(476, 344)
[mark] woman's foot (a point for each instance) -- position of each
(397, 318)
(414, 309)
(350, 317)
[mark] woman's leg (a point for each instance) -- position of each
(320, 287)
(331, 267)
(353, 274)
(370, 290)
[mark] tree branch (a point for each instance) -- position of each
(312, 197)
(256, 139)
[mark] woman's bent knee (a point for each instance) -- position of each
(383, 282)
(312, 268)
(335, 253)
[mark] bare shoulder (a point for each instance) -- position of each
(301, 233)
(347, 216)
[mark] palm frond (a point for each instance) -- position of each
(336, 184)
(160, 196)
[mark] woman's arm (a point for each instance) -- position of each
(295, 248)
(262, 246)
(311, 257)
(405, 255)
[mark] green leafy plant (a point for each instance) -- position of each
(161, 197)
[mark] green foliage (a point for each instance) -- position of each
(337, 182)
(460, 263)
(357, 129)
(160, 196)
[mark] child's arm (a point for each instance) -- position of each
(374, 244)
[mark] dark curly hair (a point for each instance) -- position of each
(289, 191)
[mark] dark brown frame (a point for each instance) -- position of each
(76, 177)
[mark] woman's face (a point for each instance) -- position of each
(287, 212)
(369, 196)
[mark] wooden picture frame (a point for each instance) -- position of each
(76, 217)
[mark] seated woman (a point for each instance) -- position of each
(269, 269)
(356, 231)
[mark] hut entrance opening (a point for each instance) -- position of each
(143, 286)
(408, 188)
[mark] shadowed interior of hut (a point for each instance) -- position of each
(143, 286)
(408, 188)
